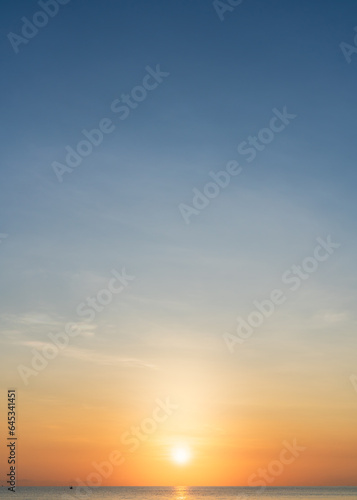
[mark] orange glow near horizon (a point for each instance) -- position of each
(205, 438)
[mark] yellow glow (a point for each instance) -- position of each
(180, 455)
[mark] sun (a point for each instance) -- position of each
(181, 455)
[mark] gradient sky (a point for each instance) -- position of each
(162, 336)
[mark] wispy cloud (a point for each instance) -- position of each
(90, 355)
(36, 323)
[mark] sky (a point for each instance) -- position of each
(139, 261)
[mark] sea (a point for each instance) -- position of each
(181, 493)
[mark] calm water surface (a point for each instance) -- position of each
(181, 493)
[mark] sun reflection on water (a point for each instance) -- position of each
(181, 493)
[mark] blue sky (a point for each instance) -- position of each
(225, 79)
(119, 208)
